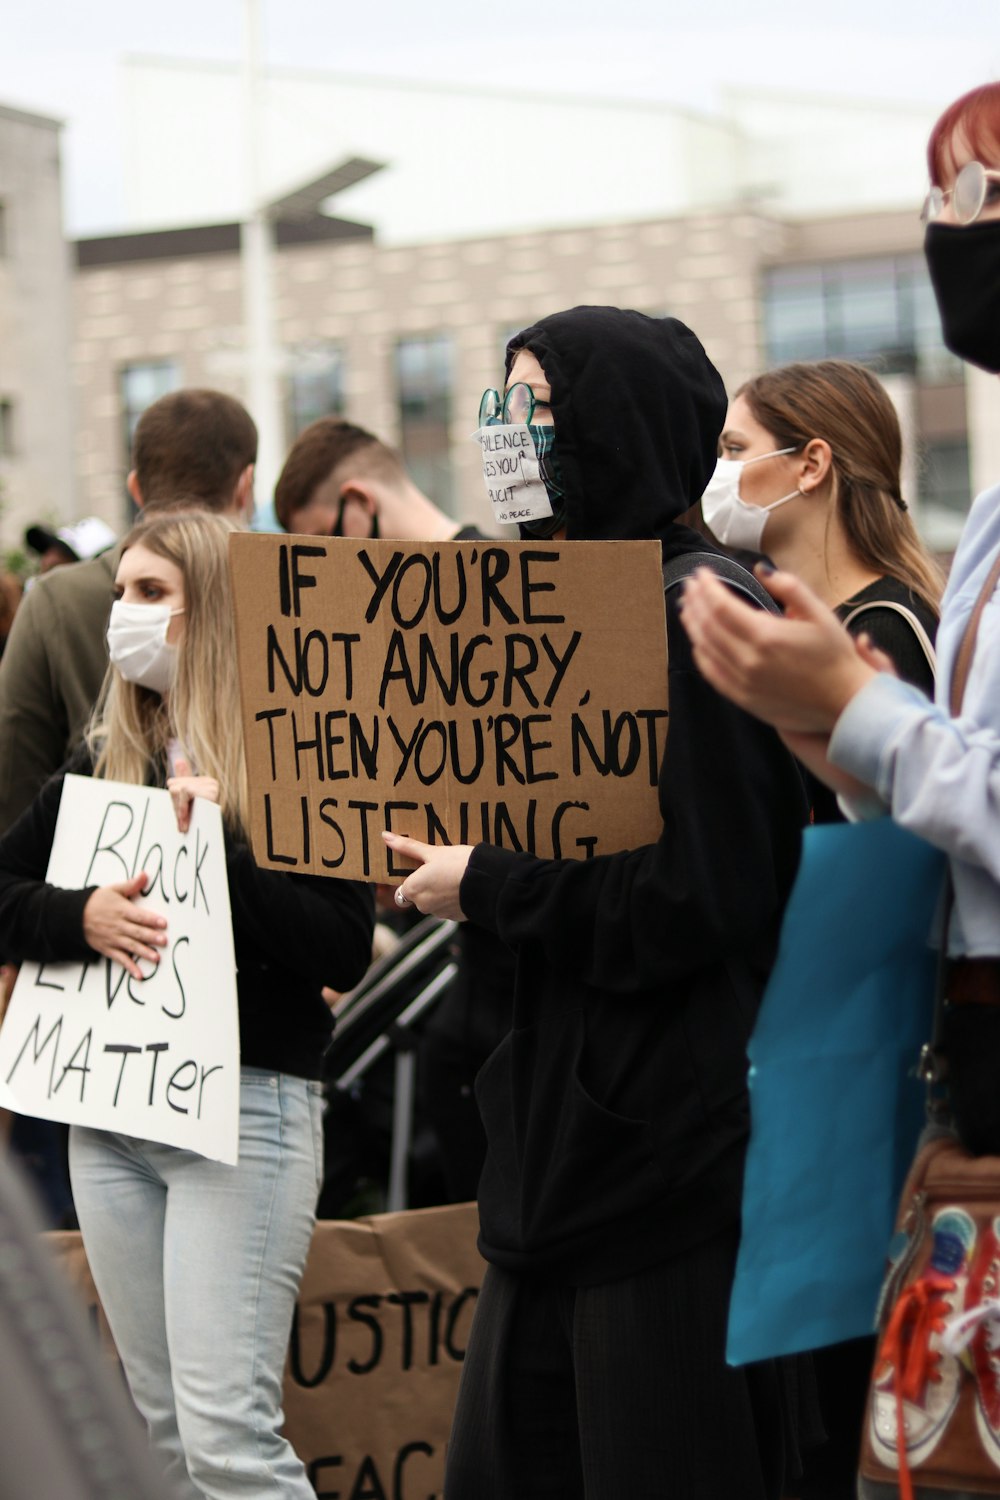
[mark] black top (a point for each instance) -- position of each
(616, 1110)
(893, 634)
(292, 934)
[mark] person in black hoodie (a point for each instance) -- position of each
(616, 1109)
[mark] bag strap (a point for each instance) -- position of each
(967, 645)
(923, 639)
(735, 574)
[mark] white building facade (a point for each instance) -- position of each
(783, 228)
(36, 422)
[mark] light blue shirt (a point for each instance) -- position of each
(939, 776)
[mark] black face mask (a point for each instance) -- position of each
(338, 525)
(550, 473)
(964, 266)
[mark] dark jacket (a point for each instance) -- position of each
(616, 1110)
(53, 667)
(292, 934)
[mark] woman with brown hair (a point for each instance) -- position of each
(809, 473)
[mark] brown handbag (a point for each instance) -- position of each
(933, 1412)
(934, 1403)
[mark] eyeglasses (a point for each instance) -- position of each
(968, 196)
(517, 406)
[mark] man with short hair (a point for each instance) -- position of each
(191, 448)
(340, 480)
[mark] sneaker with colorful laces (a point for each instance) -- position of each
(917, 1380)
(977, 1329)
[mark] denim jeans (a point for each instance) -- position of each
(198, 1265)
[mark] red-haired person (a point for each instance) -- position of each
(889, 749)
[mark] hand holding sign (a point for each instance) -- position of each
(184, 788)
(433, 888)
(114, 926)
(97, 1041)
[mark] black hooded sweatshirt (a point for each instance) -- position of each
(616, 1109)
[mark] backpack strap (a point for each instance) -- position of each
(923, 639)
(735, 574)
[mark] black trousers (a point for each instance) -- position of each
(842, 1375)
(618, 1392)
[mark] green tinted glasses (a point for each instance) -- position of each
(518, 405)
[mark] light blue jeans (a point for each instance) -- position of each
(198, 1266)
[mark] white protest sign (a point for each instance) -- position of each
(510, 469)
(157, 1058)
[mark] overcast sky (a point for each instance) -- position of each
(60, 57)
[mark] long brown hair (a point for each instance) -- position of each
(132, 726)
(845, 404)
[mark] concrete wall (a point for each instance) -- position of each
(702, 268)
(37, 474)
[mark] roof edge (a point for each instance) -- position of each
(208, 239)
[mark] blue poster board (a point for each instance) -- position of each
(836, 1108)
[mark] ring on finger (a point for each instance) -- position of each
(401, 900)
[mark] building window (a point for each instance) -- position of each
(877, 311)
(7, 436)
(881, 313)
(424, 385)
(139, 386)
(315, 386)
(945, 477)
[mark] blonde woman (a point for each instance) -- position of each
(197, 1263)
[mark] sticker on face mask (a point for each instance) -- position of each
(510, 470)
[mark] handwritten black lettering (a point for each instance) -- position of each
(175, 1084)
(109, 836)
(83, 1068)
(126, 1049)
(54, 1036)
(358, 1312)
(302, 580)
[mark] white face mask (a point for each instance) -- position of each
(731, 520)
(511, 471)
(138, 645)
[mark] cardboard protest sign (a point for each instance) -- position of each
(511, 693)
(157, 1058)
(376, 1351)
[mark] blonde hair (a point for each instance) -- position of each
(132, 726)
(846, 405)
